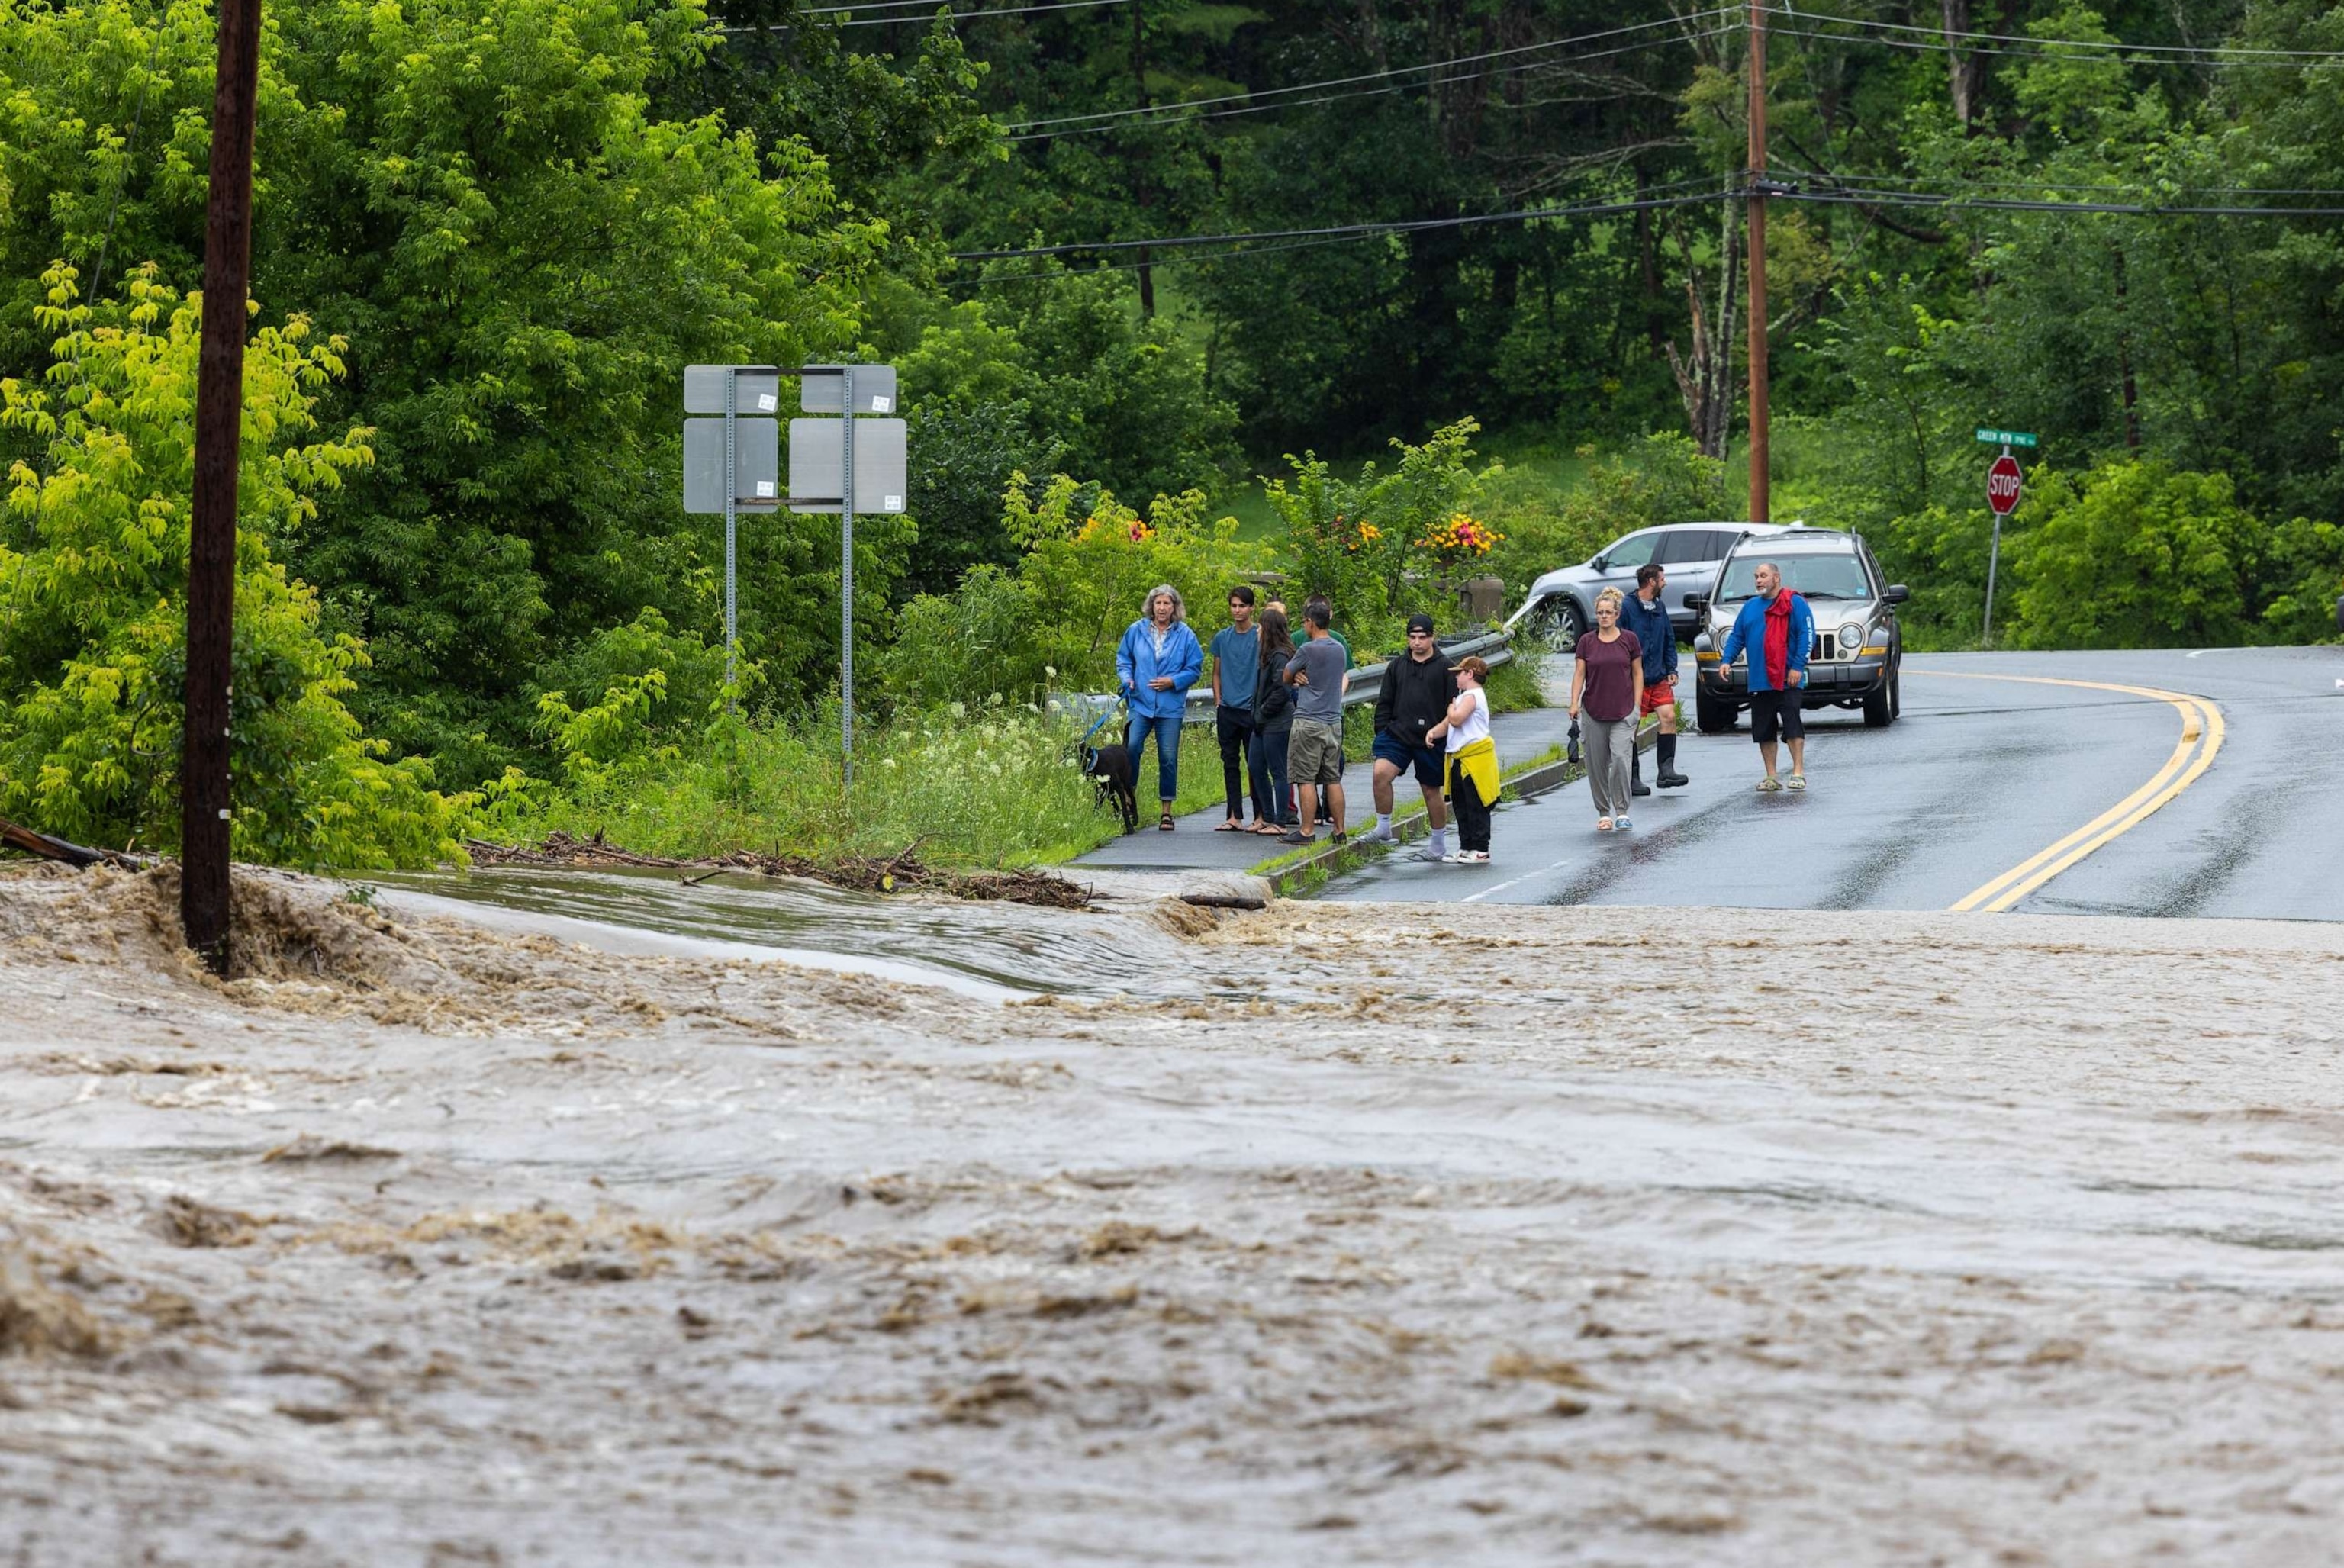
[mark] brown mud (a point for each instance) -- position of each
(901, 872)
(1503, 1236)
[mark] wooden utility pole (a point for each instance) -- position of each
(1760, 503)
(211, 555)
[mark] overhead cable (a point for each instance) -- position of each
(1853, 196)
(1939, 45)
(1361, 231)
(1174, 114)
(932, 7)
(2116, 44)
(1258, 93)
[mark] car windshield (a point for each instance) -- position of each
(1814, 576)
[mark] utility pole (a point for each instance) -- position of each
(204, 786)
(1760, 503)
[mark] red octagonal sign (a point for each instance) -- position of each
(2002, 481)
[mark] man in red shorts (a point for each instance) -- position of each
(1646, 614)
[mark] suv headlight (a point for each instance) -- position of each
(1850, 638)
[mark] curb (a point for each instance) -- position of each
(1333, 860)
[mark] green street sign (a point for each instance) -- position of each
(2007, 438)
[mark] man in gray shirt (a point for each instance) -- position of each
(1314, 755)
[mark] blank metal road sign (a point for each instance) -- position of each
(874, 390)
(758, 388)
(882, 467)
(756, 461)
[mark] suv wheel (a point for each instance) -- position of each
(1713, 717)
(1562, 619)
(1880, 707)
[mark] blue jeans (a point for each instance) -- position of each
(1269, 761)
(1166, 729)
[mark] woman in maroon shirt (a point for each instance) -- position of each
(1610, 678)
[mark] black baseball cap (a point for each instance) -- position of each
(1420, 623)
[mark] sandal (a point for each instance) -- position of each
(1165, 825)
(1268, 829)
(1796, 780)
(1231, 825)
(1768, 787)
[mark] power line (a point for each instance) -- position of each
(1172, 115)
(2116, 44)
(1852, 196)
(933, 7)
(1257, 94)
(1834, 193)
(1938, 46)
(1350, 230)
(2020, 182)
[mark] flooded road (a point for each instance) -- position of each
(1330, 1234)
(994, 951)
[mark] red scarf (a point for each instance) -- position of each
(1778, 640)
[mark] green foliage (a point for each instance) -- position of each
(1052, 623)
(1662, 479)
(989, 782)
(2136, 555)
(1366, 542)
(523, 258)
(1081, 384)
(95, 560)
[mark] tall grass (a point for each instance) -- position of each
(992, 786)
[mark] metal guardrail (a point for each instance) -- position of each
(1367, 681)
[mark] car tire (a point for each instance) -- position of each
(1712, 716)
(1879, 706)
(1897, 693)
(1570, 625)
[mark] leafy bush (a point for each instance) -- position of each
(93, 645)
(2140, 554)
(1662, 479)
(1054, 621)
(1379, 547)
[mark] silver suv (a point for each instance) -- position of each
(1859, 652)
(1563, 601)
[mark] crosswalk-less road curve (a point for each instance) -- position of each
(2147, 783)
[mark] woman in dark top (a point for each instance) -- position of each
(1608, 681)
(1273, 723)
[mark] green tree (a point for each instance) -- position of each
(93, 643)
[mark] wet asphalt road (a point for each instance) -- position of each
(1978, 776)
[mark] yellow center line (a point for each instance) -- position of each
(2201, 735)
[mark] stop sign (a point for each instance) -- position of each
(2002, 481)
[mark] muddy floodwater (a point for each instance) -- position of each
(1368, 1234)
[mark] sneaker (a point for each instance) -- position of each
(1467, 857)
(1382, 833)
(1297, 837)
(1340, 836)
(1431, 857)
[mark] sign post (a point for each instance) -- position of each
(731, 463)
(2003, 481)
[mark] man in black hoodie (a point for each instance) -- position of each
(1417, 689)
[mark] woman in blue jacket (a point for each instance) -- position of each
(1157, 663)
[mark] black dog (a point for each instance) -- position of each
(1110, 765)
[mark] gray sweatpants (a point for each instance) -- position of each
(1610, 743)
